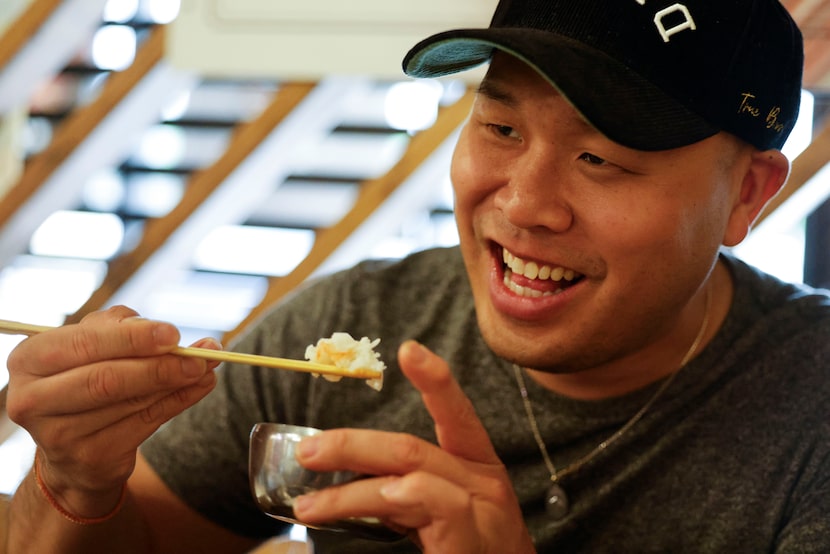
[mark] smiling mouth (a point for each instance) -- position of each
(534, 280)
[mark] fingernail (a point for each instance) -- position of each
(307, 448)
(417, 351)
(210, 343)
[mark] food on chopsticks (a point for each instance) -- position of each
(343, 351)
(17, 328)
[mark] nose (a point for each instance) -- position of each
(534, 195)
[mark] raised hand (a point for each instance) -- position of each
(454, 499)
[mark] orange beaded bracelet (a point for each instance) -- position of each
(66, 514)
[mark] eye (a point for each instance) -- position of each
(592, 159)
(504, 130)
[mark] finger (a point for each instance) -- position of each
(90, 438)
(115, 312)
(450, 518)
(438, 509)
(114, 333)
(458, 428)
(373, 452)
(140, 423)
(116, 382)
(412, 501)
(105, 392)
(360, 498)
(145, 412)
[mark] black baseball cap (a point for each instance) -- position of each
(648, 74)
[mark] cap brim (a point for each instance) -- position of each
(620, 103)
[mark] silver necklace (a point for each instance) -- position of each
(557, 504)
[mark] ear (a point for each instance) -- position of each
(764, 176)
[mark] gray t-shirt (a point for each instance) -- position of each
(734, 457)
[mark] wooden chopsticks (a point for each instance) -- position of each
(18, 328)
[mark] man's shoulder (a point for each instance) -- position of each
(781, 325)
(767, 297)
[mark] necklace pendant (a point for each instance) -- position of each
(556, 502)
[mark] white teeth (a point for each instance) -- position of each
(519, 266)
(532, 270)
(525, 291)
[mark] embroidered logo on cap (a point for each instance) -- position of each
(688, 22)
(749, 107)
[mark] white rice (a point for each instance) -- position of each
(343, 351)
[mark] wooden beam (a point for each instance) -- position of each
(80, 124)
(27, 24)
(202, 184)
(373, 193)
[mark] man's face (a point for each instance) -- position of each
(612, 242)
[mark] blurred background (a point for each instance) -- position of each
(196, 160)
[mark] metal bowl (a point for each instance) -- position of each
(276, 479)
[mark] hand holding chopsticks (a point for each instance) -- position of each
(18, 328)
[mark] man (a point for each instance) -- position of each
(587, 373)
